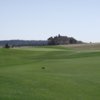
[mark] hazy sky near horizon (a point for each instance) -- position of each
(40, 19)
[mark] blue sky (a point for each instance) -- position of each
(40, 19)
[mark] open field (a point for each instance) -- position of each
(71, 73)
(86, 46)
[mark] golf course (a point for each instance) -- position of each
(63, 72)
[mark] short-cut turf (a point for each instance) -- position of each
(68, 74)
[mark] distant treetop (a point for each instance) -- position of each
(61, 40)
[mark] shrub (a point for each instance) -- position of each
(6, 46)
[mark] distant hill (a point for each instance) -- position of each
(23, 43)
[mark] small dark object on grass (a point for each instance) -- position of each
(43, 67)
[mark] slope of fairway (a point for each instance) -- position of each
(68, 74)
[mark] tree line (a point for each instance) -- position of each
(56, 40)
(61, 40)
(19, 43)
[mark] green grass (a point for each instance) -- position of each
(69, 74)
